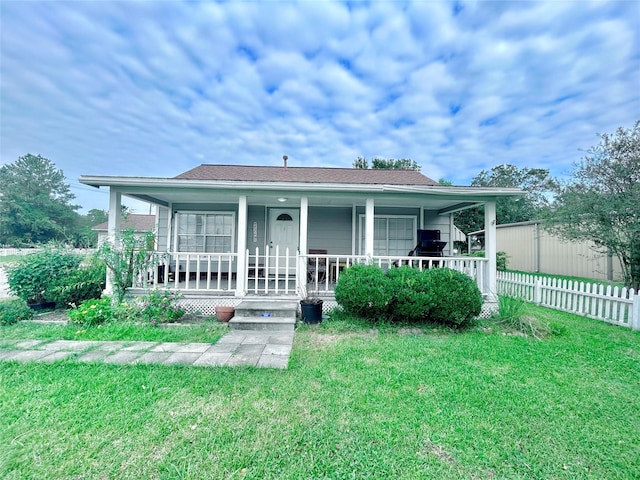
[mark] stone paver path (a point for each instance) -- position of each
(236, 348)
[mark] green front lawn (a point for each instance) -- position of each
(355, 403)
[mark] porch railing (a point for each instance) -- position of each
(274, 272)
(191, 271)
(282, 272)
(324, 270)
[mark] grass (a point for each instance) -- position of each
(360, 402)
(6, 259)
(208, 331)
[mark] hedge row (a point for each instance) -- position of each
(407, 294)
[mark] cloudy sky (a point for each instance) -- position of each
(154, 88)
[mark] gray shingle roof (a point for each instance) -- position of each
(306, 175)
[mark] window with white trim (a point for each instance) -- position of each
(392, 234)
(211, 232)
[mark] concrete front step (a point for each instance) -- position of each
(267, 308)
(273, 324)
(264, 314)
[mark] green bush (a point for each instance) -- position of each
(92, 312)
(412, 295)
(363, 290)
(458, 299)
(160, 306)
(13, 311)
(83, 283)
(127, 311)
(406, 294)
(501, 259)
(34, 277)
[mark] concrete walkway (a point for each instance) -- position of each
(256, 349)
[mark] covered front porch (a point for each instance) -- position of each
(224, 239)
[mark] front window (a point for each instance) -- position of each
(392, 235)
(205, 232)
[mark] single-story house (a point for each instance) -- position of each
(140, 224)
(232, 231)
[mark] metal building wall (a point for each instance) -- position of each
(532, 249)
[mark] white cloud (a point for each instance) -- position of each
(154, 88)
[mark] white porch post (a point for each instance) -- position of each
(304, 222)
(241, 272)
(369, 230)
(113, 228)
(490, 248)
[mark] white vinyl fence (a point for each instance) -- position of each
(620, 306)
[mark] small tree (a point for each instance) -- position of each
(130, 255)
(602, 202)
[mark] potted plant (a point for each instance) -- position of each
(225, 313)
(310, 308)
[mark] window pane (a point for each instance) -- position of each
(211, 224)
(205, 232)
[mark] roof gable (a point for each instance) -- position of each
(306, 175)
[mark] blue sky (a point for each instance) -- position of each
(156, 88)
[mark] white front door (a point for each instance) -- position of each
(284, 232)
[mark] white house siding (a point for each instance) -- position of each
(532, 249)
(434, 221)
(256, 214)
(329, 228)
(162, 229)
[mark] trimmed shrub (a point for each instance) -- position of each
(412, 295)
(458, 299)
(363, 290)
(34, 276)
(92, 312)
(13, 311)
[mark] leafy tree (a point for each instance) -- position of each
(361, 162)
(536, 182)
(86, 237)
(387, 164)
(601, 203)
(95, 216)
(34, 202)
